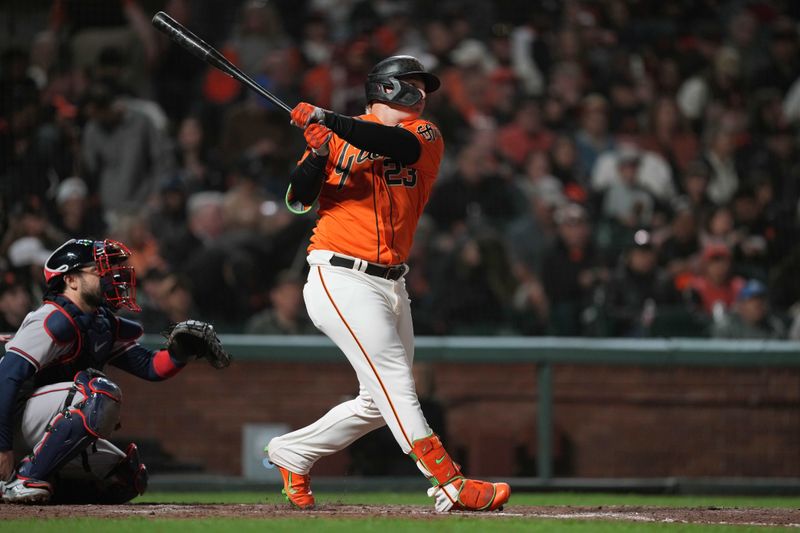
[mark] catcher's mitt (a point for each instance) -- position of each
(193, 338)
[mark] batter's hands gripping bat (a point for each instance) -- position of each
(197, 46)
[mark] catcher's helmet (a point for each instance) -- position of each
(388, 74)
(118, 281)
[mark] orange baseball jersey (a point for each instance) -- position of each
(369, 205)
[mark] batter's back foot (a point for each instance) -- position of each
(464, 494)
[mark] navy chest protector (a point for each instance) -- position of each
(94, 337)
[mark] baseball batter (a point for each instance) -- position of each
(57, 408)
(371, 176)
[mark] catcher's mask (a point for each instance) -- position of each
(117, 280)
(385, 81)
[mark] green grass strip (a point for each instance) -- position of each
(365, 525)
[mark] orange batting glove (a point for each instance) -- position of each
(304, 113)
(317, 137)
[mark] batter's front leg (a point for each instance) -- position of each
(363, 315)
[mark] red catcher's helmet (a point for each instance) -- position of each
(117, 281)
(388, 74)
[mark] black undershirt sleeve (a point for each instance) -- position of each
(307, 178)
(396, 143)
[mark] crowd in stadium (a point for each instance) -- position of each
(612, 168)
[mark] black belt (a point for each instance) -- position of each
(391, 272)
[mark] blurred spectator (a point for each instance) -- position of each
(593, 137)
(124, 155)
(695, 185)
(532, 233)
(475, 290)
(169, 214)
(205, 225)
(29, 218)
(751, 253)
(652, 172)
(133, 228)
(76, 218)
(175, 299)
(720, 228)
(524, 135)
(286, 314)
(716, 287)
(148, 297)
(258, 31)
(680, 248)
(750, 317)
(93, 25)
(244, 200)
(634, 290)
(26, 257)
(625, 202)
(317, 82)
(720, 85)
(474, 195)
(34, 153)
(719, 154)
(528, 54)
(259, 215)
(15, 302)
(565, 166)
(198, 163)
(783, 63)
(111, 70)
(571, 270)
(670, 136)
(255, 128)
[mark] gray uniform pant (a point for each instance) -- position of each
(97, 460)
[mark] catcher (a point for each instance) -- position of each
(57, 408)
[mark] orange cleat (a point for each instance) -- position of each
(297, 489)
(464, 494)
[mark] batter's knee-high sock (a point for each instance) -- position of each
(434, 461)
(451, 490)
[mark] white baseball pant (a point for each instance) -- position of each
(369, 319)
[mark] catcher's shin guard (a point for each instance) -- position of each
(76, 427)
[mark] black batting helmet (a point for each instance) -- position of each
(384, 82)
(118, 281)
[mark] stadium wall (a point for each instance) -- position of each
(609, 420)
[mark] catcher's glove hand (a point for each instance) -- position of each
(193, 338)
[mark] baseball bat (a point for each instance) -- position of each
(201, 49)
